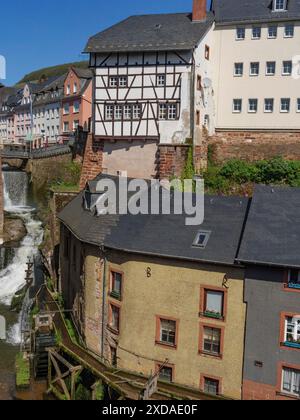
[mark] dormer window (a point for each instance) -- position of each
(280, 5)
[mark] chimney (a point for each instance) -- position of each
(199, 10)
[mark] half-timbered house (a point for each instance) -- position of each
(152, 91)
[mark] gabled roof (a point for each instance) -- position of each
(162, 235)
(83, 73)
(233, 11)
(164, 32)
(272, 233)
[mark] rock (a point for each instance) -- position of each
(14, 231)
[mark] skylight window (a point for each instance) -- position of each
(202, 239)
(279, 5)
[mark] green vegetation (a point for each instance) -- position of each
(22, 371)
(82, 394)
(17, 301)
(189, 169)
(35, 311)
(58, 337)
(69, 178)
(237, 175)
(99, 392)
(52, 71)
(71, 330)
(50, 284)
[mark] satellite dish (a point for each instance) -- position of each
(207, 83)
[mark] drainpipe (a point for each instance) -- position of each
(193, 110)
(103, 302)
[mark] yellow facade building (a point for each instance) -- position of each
(148, 300)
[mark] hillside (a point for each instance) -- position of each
(52, 71)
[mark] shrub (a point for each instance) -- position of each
(22, 371)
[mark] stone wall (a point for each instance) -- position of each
(45, 170)
(92, 161)
(254, 145)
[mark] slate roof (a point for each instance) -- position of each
(163, 32)
(83, 73)
(272, 233)
(163, 235)
(233, 11)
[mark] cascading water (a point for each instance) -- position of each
(12, 274)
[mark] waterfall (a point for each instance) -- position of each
(12, 273)
(15, 190)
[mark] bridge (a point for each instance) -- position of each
(19, 152)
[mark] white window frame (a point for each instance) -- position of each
(113, 81)
(289, 35)
(238, 66)
(66, 124)
(258, 29)
(268, 111)
(136, 111)
(118, 112)
(109, 112)
(167, 330)
(293, 322)
(66, 110)
(240, 28)
(272, 28)
(283, 111)
(172, 112)
(77, 109)
(251, 64)
(277, 7)
(161, 80)
(162, 112)
(127, 112)
(123, 81)
(250, 102)
(294, 374)
(284, 63)
(235, 111)
(274, 72)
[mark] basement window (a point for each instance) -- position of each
(202, 239)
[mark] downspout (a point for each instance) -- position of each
(193, 77)
(103, 301)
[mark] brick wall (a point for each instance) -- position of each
(256, 145)
(92, 161)
(172, 159)
(255, 391)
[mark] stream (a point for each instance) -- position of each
(17, 202)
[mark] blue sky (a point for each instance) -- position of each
(35, 34)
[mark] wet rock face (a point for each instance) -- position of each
(14, 231)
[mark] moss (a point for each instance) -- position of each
(71, 331)
(17, 301)
(99, 392)
(82, 394)
(22, 371)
